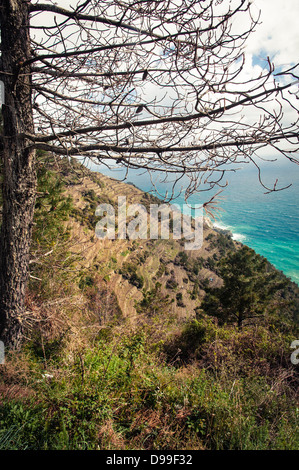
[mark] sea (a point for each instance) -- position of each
(266, 222)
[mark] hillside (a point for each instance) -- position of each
(182, 274)
(129, 344)
(152, 260)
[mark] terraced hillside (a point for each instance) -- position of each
(133, 267)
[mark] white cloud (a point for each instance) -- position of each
(277, 35)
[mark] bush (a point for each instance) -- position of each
(129, 272)
(186, 345)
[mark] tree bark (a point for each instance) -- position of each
(19, 176)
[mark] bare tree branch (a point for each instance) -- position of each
(157, 85)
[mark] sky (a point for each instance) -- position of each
(278, 35)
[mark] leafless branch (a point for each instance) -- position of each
(158, 86)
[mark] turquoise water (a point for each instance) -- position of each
(268, 223)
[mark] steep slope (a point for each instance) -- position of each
(141, 272)
(152, 260)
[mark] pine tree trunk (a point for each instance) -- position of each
(19, 178)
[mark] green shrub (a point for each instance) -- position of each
(129, 272)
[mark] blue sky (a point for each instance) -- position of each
(277, 35)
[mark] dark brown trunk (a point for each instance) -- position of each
(19, 178)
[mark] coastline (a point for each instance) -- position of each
(266, 223)
(241, 238)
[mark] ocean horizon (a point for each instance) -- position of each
(267, 223)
